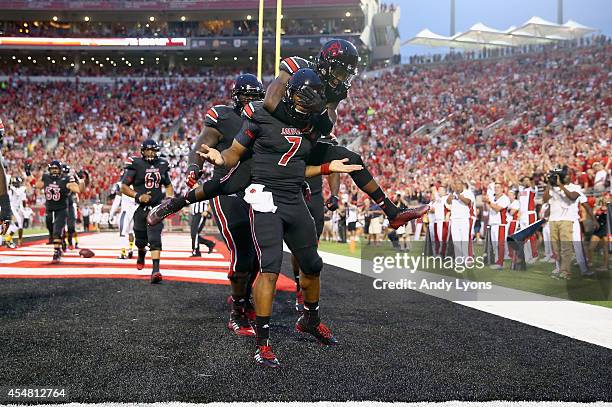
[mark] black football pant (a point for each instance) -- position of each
(324, 152)
(145, 234)
(232, 217)
(235, 181)
(71, 219)
(316, 207)
(293, 224)
(56, 222)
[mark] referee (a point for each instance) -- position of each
(199, 214)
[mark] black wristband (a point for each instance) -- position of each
(137, 197)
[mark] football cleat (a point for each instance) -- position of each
(265, 357)
(166, 208)
(70, 247)
(299, 301)
(239, 324)
(320, 331)
(196, 253)
(156, 277)
(140, 261)
(210, 246)
(57, 255)
(407, 215)
(130, 254)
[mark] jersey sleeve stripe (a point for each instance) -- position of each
(211, 118)
(294, 67)
(212, 112)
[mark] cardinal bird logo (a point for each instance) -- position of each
(333, 49)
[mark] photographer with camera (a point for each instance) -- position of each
(560, 194)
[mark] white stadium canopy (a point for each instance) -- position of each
(536, 30)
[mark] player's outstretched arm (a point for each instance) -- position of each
(74, 187)
(209, 137)
(227, 158)
(335, 166)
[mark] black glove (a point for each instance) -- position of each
(306, 191)
(332, 203)
(311, 100)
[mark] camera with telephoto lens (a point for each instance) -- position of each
(557, 176)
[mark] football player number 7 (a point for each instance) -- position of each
(152, 180)
(295, 145)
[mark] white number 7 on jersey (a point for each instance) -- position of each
(295, 145)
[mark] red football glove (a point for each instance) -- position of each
(306, 191)
(193, 175)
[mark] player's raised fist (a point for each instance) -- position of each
(193, 175)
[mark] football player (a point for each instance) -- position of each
(126, 220)
(71, 236)
(17, 193)
(199, 214)
(5, 202)
(336, 66)
(231, 212)
(147, 174)
(56, 187)
(277, 208)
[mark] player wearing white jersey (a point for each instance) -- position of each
(527, 216)
(125, 221)
(97, 215)
(17, 197)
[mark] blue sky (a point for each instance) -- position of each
(435, 15)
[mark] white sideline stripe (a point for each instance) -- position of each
(345, 404)
(47, 259)
(210, 275)
(577, 320)
(105, 252)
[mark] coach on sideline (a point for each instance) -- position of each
(560, 195)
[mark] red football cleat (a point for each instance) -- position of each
(156, 278)
(406, 216)
(239, 324)
(265, 357)
(320, 331)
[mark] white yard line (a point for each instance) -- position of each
(585, 322)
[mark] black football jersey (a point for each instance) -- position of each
(227, 122)
(56, 192)
(147, 177)
(333, 95)
(279, 149)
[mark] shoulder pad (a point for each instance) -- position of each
(251, 108)
(216, 112)
(131, 161)
(292, 64)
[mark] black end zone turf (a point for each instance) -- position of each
(125, 340)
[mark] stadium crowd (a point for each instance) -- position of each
(416, 125)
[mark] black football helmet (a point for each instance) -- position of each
(55, 168)
(337, 62)
(17, 181)
(149, 149)
(247, 88)
(302, 78)
(65, 169)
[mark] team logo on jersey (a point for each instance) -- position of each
(290, 131)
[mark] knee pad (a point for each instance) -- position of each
(310, 263)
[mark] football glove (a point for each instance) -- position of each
(193, 175)
(311, 100)
(332, 203)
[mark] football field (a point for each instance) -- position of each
(97, 328)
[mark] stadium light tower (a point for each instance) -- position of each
(559, 11)
(452, 17)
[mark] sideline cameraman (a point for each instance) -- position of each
(560, 194)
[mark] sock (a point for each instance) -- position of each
(297, 282)
(131, 246)
(141, 255)
(76, 238)
(311, 312)
(9, 238)
(155, 265)
(123, 253)
(70, 239)
(385, 203)
(262, 329)
(238, 303)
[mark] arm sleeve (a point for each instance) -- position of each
(115, 205)
(292, 64)
(128, 176)
(212, 118)
(248, 133)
